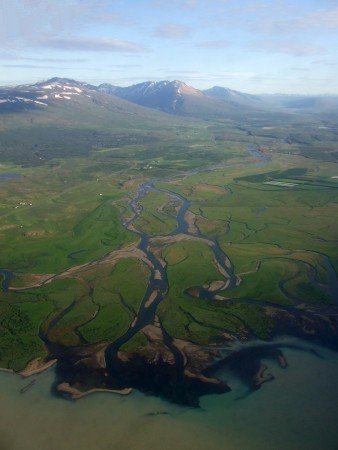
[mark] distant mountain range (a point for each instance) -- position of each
(173, 97)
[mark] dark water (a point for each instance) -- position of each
(9, 176)
(296, 411)
(5, 278)
(254, 151)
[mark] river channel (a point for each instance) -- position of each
(166, 378)
(158, 288)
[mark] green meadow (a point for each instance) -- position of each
(272, 234)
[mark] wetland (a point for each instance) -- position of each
(178, 264)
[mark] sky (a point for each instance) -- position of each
(254, 46)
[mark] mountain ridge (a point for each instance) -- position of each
(169, 96)
(173, 97)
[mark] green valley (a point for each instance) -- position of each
(128, 234)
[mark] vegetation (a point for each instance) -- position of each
(80, 275)
(19, 330)
(117, 298)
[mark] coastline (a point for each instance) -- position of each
(106, 420)
(36, 366)
(76, 394)
(3, 369)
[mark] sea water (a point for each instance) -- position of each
(298, 410)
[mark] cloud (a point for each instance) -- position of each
(93, 45)
(300, 69)
(23, 22)
(81, 7)
(34, 66)
(292, 20)
(55, 69)
(325, 19)
(123, 66)
(181, 72)
(172, 31)
(187, 3)
(287, 47)
(213, 44)
(11, 57)
(184, 4)
(111, 18)
(324, 62)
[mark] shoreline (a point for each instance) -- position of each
(3, 369)
(76, 394)
(36, 366)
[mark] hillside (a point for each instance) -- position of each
(62, 117)
(235, 98)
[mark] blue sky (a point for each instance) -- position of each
(253, 46)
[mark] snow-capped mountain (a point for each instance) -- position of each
(175, 97)
(169, 96)
(42, 93)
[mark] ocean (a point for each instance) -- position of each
(298, 410)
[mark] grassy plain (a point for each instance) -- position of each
(191, 264)
(153, 220)
(277, 237)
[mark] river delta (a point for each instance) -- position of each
(164, 362)
(201, 300)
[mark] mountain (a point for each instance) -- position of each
(305, 103)
(69, 101)
(274, 102)
(174, 97)
(234, 98)
(62, 117)
(41, 94)
(168, 96)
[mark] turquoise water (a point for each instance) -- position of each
(296, 411)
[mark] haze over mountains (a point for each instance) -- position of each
(173, 97)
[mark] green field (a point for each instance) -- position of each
(65, 240)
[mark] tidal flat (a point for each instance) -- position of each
(297, 411)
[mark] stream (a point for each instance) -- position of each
(158, 284)
(157, 376)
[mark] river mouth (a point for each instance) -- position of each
(299, 408)
(166, 372)
(159, 379)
